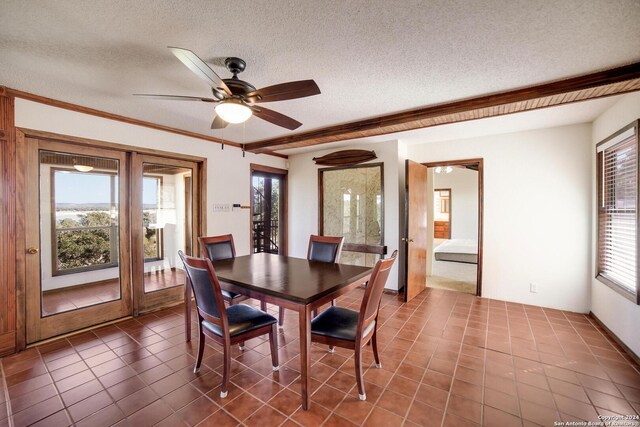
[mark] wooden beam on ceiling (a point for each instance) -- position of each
(591, 86)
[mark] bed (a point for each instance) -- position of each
(457, 250)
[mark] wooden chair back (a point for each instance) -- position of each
(206, 290)
(325, 248)
(373, 292)
(217, 247)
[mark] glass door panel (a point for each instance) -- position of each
(79, 278)
(352, 206)
(163, 224)
(266, 210)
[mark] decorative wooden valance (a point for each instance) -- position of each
(346, 158)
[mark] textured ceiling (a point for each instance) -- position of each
(368, 57)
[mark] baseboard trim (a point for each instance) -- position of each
(630, 352)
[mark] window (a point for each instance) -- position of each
(85, 223)
(617, 158)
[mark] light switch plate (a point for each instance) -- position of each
(222, 207)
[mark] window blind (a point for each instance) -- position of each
(617, 220)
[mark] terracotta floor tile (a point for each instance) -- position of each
(59, 419)
(137, 400)
(265, 389)
(242, 406)
(433, 396)
(538, 414)
(336, 421)
(383, 418)
(220, 418)
(394, 402)
(424, 415)
(607, 401)
(74, 380)
(286, 401)
(150, 415)
(404, 386)
(502, 401)
(451, 420)
(354, 409)
(314, 416)
(38, 411)
(266, 416)
(465, 408)
(29, 399)
(436, 379)
(576, 408)
(103, 418)
(496, 418)
(328, 397)
(81, 392)
(535, 395)
(89, 406)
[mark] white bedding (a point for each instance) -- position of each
(457, 250)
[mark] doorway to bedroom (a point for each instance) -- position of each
(454, 225)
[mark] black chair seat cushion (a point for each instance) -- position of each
(242, 318)
(228, 295)
(338, 322)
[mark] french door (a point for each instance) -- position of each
(162, 223)
(77, 269)
(102, 231)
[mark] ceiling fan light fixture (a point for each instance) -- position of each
(232, 111)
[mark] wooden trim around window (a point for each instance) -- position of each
(601, 278)
(284, 174)
(480, 164)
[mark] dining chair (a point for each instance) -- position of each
(217, 248)
(225, 325)
(323, 249)
(341, 327)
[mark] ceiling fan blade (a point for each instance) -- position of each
(175, 97)
(275, 118)
(200, 68)
(284, 91)
(218, 123)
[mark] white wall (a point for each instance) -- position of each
(303, 199)
(464, 201)
(537, 212)
(228, 173)
(619, 314)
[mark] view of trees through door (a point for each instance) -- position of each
(268, 223)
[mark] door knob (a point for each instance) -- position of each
(32, 251)
(404, 239)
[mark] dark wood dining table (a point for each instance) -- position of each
(293, 283)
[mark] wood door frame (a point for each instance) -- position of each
(145, 302)
(28, 171)
(284, 173)
(380, 249)
(21, 134)
(480, 163)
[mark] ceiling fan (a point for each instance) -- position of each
(235, 97)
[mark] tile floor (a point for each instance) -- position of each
(59, 300)
(448, 359)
